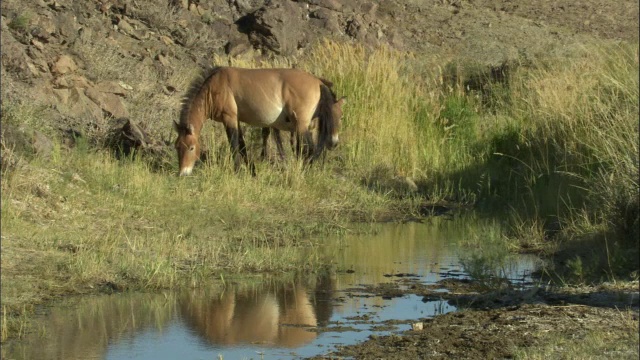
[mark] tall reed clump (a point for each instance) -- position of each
(579, 129)
(379, 127)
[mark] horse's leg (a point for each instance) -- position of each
(278, 138)
(304, 144)
(292, 141)
(243, 151)
(303, 137)
(234, 141)
(309, 145)
(265, 138)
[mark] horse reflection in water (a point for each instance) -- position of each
(280, 317)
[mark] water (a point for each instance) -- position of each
(269, 319)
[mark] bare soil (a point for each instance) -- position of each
(87, 65)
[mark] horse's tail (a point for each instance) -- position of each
(324, 113)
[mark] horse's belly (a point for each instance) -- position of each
(272, 117)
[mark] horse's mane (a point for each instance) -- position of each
(194, 88)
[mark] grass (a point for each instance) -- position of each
(554, 146)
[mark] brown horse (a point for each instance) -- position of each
(284, 99)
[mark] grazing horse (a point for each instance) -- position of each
(283, 99)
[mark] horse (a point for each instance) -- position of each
(283, 99)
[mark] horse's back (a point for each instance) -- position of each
(267, 97)
(275, 79)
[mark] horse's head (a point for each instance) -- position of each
(336, 110)
(187, 146)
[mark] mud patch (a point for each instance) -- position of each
(499, 323)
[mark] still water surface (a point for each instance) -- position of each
(271, 319)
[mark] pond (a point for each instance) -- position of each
(275, 319)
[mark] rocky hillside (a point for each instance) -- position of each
(78, 65)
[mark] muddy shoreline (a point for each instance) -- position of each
(493, 323)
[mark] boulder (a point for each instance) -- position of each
(77, 104)
(71, 81)
(42, 145)
(64, 64)
(334, 5)
(107, 101)
(275, 27)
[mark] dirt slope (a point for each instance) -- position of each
(85, 63)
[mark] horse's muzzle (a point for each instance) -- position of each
(333, 143)
(186, 171)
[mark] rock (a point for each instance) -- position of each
(166, 40)
(109, 102)
(78, 104)
(163, 60)
(67, 26)
(63, 65)
(369, 9)
(355, 27)
(113, 87)
(71, 81)
(39, 45)
(334, 5)
(237, 46)
(42, 145)
(127, 29)
(14, 56)
(322, 14)
(277, 28)
(127, 138)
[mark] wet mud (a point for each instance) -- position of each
(491, 323)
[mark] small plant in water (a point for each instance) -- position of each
(486, 270)
(575, 267)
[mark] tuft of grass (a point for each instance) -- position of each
(21, 22)
(378, 126)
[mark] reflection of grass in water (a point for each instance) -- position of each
(487, 252)
(482, 248)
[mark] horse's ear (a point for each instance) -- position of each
(342, 101)
(176, 127)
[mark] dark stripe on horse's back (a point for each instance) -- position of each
(324, 113)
